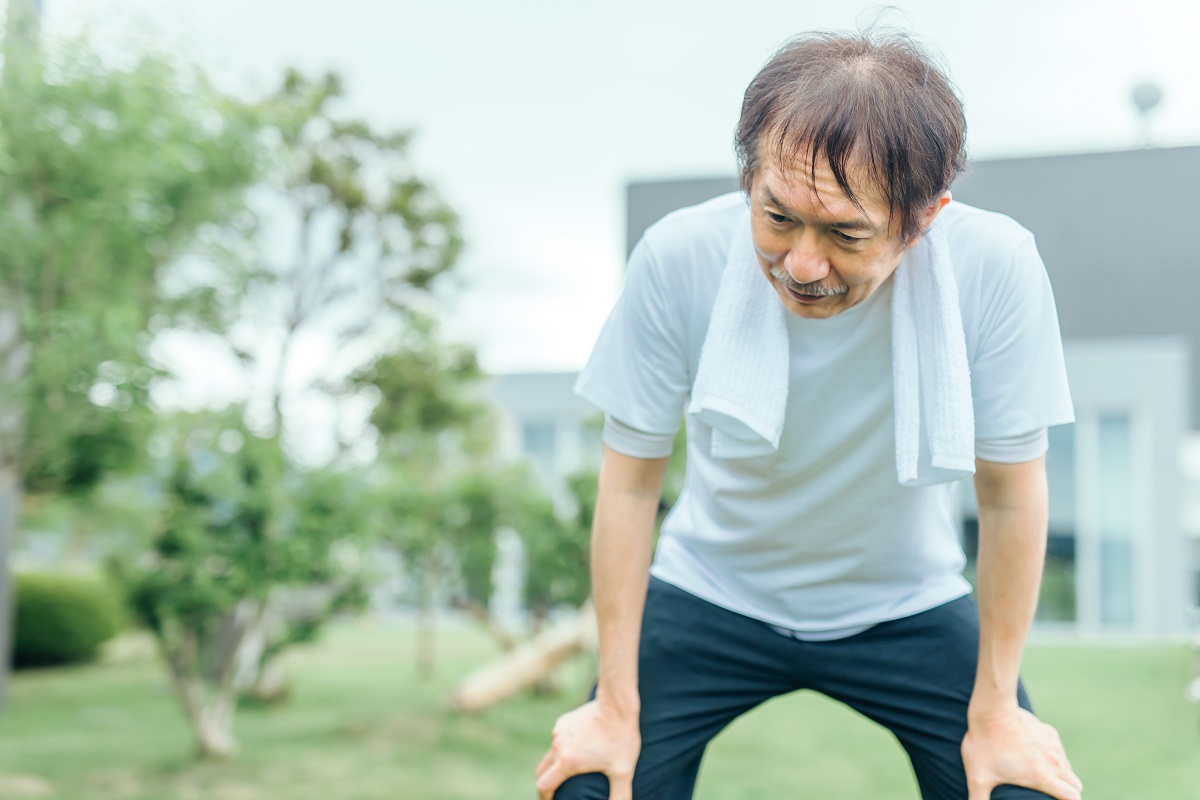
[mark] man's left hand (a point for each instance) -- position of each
(1017, 748)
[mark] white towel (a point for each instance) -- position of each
(931, 380)
(741, 385)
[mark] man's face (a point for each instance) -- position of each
(821, 252)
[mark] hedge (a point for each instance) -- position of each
(62, 618)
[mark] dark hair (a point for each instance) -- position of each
(873, 98)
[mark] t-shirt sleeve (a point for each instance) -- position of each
(1018, 376)
(638, 371)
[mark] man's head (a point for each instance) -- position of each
(847, 145)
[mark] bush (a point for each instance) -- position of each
(62, 618)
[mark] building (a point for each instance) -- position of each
(1114, 230)
(540, 418)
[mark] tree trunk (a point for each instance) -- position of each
(427, 619)
(213, 726)
(10, 502)
(527, 664)
(426, 653)
(209, 711)
(477, 612)
(272, 685)
(14, 362)
(207, 686)
(20, 58)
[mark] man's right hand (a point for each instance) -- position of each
(595, 737)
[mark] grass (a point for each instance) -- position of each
(361, 725)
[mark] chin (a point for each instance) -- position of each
(813, 312)
(822, 310)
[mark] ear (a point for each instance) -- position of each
(935, 208)
(930, 214)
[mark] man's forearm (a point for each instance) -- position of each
(1012, 546)
(626, 505)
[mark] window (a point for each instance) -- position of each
(1057, 601)
(539, 441)
(1115, 519)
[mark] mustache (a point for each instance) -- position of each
(816, 289)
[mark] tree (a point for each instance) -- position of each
(558, 574)
(345, 244)
(442, 495)
(107, 175)
(339, 254)
(238, 524)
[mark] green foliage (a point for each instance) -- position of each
(423, 388)
(558, 550)
(106, 176)
(62, 618)
(217, 540)
(237, 523)
(385, 212)
(446, 521)
(365, 240)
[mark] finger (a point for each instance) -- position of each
(1064, 790)
(1064, 772)
(979, 791)
(545, 762)
(1074, 780)
(549, 782)
(620, 789)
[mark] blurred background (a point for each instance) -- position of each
(294, 492)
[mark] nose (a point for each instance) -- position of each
(805, 260)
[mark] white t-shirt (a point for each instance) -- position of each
(819, 538)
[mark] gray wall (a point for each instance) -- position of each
(646, 202)
(1117, 232)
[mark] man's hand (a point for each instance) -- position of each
(1016, 747)
(592, 738)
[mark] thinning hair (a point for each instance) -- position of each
(873, 100)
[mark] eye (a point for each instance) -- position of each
(845, 237)
(778, 219)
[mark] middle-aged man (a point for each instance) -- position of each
(847, 343)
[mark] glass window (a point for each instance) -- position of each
(1115, 518)
(539, 442)
(1057, 602)
(591, 440)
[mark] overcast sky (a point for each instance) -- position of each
(532, 115)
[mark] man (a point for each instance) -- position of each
(821, 552)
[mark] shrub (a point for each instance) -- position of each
(62, 618)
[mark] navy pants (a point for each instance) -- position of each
(701, 666)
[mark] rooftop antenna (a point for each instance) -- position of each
(1146, 97)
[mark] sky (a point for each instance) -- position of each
(532, 115)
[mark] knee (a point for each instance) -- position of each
(592, 786)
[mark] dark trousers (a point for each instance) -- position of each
(701, 666)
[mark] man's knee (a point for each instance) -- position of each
(592, 786)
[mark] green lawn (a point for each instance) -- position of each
(361, 726)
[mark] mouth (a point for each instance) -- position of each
(808, 299)
(801, 296)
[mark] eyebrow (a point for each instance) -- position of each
(859, 224)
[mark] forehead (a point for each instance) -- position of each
(796, 182)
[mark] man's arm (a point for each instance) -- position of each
(1004, 743)
(603, 735)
